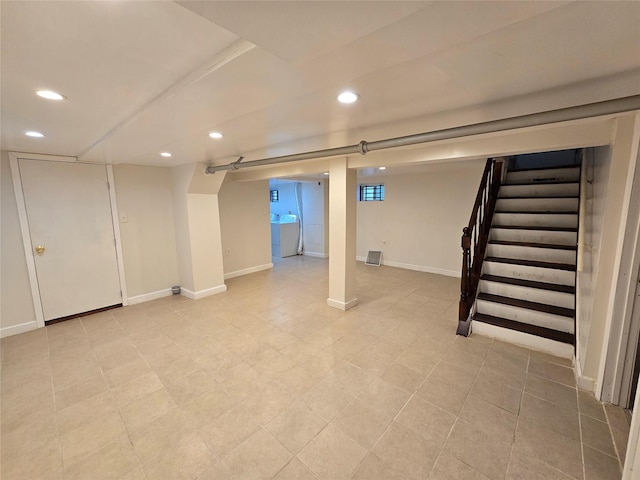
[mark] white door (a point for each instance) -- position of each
(72, 237)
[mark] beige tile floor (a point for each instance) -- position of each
(265, 381)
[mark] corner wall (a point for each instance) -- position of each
(16, 304)
(148, 244)
(419, 224)
(315, 212)
(597, 163)
(245, 227)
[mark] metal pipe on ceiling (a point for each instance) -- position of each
(608, 107)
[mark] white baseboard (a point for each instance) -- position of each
(247, 271)
(532, 342)
(584, 382)
(417, 268)
(145, 297)
(316, 254)
(16, 329)
(342, 305)
(203, 293)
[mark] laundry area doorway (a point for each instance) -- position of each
(299, 217)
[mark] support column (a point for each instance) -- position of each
(342, 235)
(197, 224)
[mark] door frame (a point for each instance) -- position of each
(26, 235)
(619, 347)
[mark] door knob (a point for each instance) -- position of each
(40, 249)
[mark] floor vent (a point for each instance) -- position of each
(374, 258)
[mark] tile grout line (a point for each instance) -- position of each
(515, 431)
(615, 445)
(584, 468)
(55, 408)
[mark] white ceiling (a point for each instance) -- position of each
(146, 77)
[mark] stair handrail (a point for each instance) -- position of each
(474, 240)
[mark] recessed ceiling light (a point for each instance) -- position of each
(50, 95)
(382, 168)
(165, 154)
(348, 97)
(216, 135)
(34, 134)
(326, 173)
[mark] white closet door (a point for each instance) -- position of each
(72, 236)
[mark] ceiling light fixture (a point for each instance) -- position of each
(165, 154)
(50, 95)
(326, 173)
(382, 168)
(216, 135)
(348, 97)
(34, 134)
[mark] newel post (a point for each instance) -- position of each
(465, 284)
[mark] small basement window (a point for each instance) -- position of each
(371, 193)
(273, 196)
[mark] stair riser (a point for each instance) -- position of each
(537, 204)
(523, 315)
(538, 295)
(534, 236)
(533, 220)
(537, 274)
(533, 342)
(531, 253)
(539, 190)
(545, 175)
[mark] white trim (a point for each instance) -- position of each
(316, 255)
(16, 329)
(42, 156)
(533, 342)
(203, 293)
(604, 391)
(417, 268)
(632, 458)
(146, 297)
(115, 220)
(26, 238)
(342, 305)
(583, 382)
(247, 271)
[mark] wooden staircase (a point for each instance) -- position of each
(526, 291)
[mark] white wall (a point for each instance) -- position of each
(245, 226)
(16, 304)
(148, 242)
(419, 224)
(597, 164)
(621, 171)
(315, 214)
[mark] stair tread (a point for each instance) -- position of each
(533, 245)
(543, 332)
(529, 283)
(541, 169)
(539, 212)
(516, 302)
(537, 227)
(529, 197)
(515, 184)
(532, 263)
